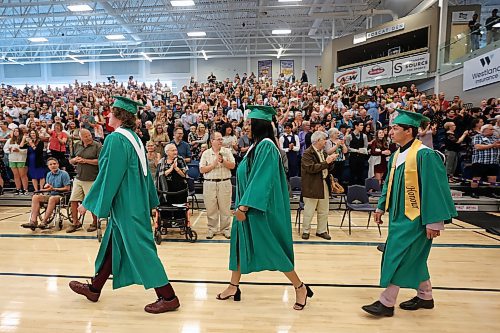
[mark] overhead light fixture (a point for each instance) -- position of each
(80, 8)
(197, 34)
(289, 0)
(281, 32)
(421, 73)
(146, 57)
(13, 60)
(115, 37)
(38, 39)
(280, 51)
(182, 3)
(121, 54)
(75, 59)
(204, 54)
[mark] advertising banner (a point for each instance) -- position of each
(376, 71)
(349, 76)
(410, 65)
(482, 70)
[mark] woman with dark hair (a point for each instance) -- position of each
(36, 164)
(380, 148)
(229, 140)
(57, 144)
(261, 235)
(127, 250)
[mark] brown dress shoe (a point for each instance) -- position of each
(84, 289)
(162, 305)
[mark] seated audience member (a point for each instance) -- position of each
(56, 182)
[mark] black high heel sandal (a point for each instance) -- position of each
(309, 294)
(236, 297)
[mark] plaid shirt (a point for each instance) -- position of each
(486, 156)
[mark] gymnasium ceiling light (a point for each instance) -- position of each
(281, 32)
(38, 39)
(146, 57)
(115, 37)
(75, 59)
(197, 34)
(182, 3)
(80, 8)
(204, 54)
(280, 52)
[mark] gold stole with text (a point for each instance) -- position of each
(412, 191)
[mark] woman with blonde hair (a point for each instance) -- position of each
(160, 138)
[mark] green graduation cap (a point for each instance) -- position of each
(261, 112)
(409, 118)
(126, 104)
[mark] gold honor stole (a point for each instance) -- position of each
(412, 192)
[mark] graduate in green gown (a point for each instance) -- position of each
(124, 191)
(261, 234)
(416, 196)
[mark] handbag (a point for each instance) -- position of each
(335, 186)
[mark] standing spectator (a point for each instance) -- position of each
(243, 143)
(182, 146)
(199, 137)
(475, 32)
(234, 113)
(85, 158)
(358, 154)
(216, 164)
(57, 144)
(492, 32)
(485, 159)
(290, 144)
(425, 133)
(229, 139)
(153, 157)
(379, 148)
(160, 138)
(315, 167)
(373, 113)
(452, 147)
(17, 161)
(36, 163)
(303, 77)
(336, 145)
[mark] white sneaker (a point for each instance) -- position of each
(210, 234)
(227, 234)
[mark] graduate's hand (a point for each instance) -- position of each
(432, 233)
(82, 210)
(378, 217)
(240, 216)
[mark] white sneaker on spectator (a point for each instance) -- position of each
(227, 234)
(210, 234)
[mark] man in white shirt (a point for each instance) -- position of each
(215, 165)
(290, 144)
(234, 113)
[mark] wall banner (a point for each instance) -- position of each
(286, 67)
(410, 65)
(265, 69)
(482, 70)
(378, 71)
(349, 76)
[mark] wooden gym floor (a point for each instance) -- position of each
(35, 268)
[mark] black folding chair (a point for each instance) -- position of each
(372, 187)
(357, 200)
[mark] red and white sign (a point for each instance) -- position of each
(349, 76)
(376, 71)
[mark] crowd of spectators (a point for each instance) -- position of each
(38, 123)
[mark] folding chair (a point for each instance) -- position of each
(372, 187)
(357, 200)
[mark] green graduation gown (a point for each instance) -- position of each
(264, 240)
(122, 193)
(404, 262)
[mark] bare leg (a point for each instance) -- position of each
(35, 208)
(235, 281)
(300, 292)
(74, 212)
(23, 172)
(42, 183)
(35, 184)
(50, 208)
(17, 178)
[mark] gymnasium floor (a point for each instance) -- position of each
(35, 268)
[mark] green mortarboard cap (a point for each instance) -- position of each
(261, 112)
(409, 118)
(126, 104)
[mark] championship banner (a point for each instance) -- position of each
(378, 71)
(265, 69)
(349, 76)
(410, 65)
(286, 68)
